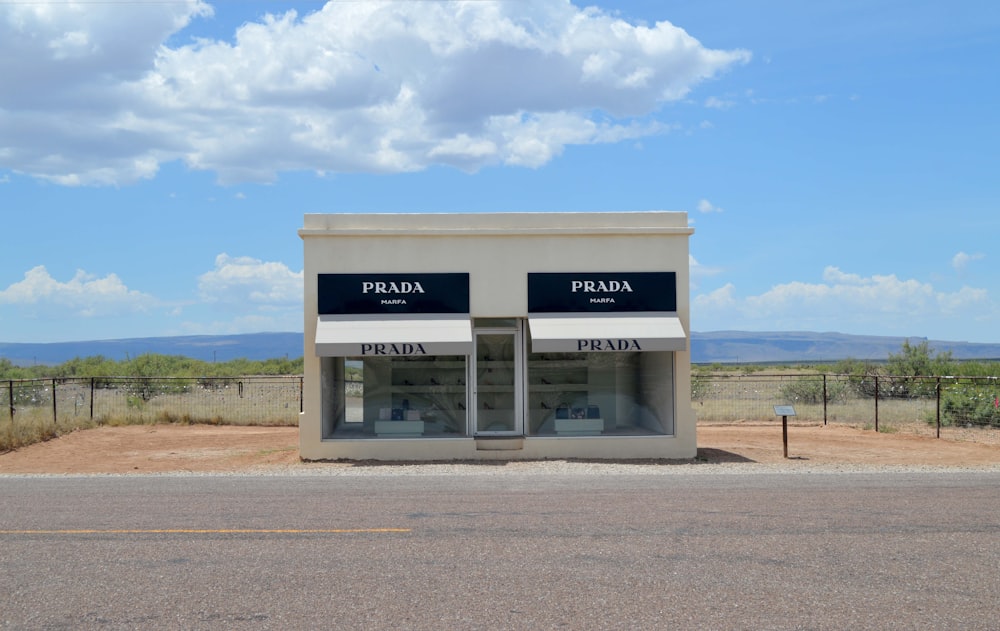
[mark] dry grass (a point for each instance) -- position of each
(275, 402)
(30, 428)
(750, 398)
(914, 417)
(264, 404)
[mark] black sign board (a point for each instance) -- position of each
(602, 292)
(393, 293)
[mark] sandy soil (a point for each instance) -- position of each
(168, 448)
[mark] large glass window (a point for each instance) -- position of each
(591, 394)
(395, 397)
(567, 394)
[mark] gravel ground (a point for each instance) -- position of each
(738, 449)
(549, 467)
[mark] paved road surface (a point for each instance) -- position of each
(913, 550)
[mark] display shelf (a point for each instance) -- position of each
(502, 389)
(579, 426)
(399, 429)
(415, 390)
(428, 376)
(560, 387)
(428, 389)
(406, 364)
(576, 383)
(558, 364)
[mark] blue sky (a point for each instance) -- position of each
(838, 160)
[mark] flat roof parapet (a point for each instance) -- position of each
(514, 223)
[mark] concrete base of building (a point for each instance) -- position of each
(513, 448)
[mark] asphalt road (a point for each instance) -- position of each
(895, 550)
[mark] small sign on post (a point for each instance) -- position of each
(784, 411)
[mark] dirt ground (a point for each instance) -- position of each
(204, 448)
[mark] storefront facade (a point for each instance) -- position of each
(496, 336)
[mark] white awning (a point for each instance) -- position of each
(412, 335)
(567, 333)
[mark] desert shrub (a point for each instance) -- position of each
(919, 361)
(151, 365)
(700, 385)
(810, 390)
(146, 388)
(893, 386)
(970, 404)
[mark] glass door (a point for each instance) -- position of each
(497, 395)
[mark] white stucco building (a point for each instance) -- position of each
(497, 336)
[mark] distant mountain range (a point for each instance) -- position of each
(743, 347)
(767, 347)
(221, 348)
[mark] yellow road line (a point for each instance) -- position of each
(203, 531)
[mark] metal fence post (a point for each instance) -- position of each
(876, 404)
(10, 391)
(55, 411)
(91, 398)
(824, 398)
(938, 388)
(301, 379)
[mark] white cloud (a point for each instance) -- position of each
(83, 295)
(699, 271)
(842, 302)
(721, 298)
(254, 295)
(103, 97)
(957, 302)
(248, 282)
(844, 293)
(961, 260)
(705, 206)
(74, 117)
(716, 103)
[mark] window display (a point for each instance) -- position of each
(619, 393)
(400, 396)
(592, 394)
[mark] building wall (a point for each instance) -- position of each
(498, 251)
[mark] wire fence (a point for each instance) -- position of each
(233, 401)
(954, 407)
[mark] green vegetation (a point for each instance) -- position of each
(882, 429)
(918, 361)
(149, 388)
(969, 390)
(154, 388)
(912, 360)
(151, 365)
(916, 377)
(810, 389)
(971, 404)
